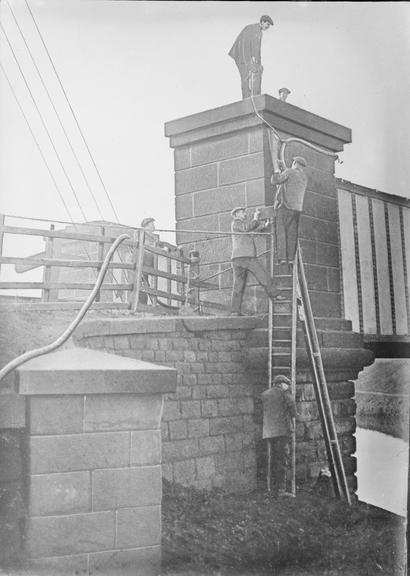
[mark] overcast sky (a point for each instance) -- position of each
(129, 67)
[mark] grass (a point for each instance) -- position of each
(216, 532)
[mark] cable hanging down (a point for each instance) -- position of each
(67, 333)
(285, 141)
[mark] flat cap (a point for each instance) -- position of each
(286, 90)
(281, 378)
(146, 221)
(300, 160)
(235, 210)
(266, 18)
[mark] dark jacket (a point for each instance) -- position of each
(247, 46)
(243, 245)
(278, 410)
(292, 192)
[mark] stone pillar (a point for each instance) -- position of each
(223, 159)
(93, 464)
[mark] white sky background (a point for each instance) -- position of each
(130, 66)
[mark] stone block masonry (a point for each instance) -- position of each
(222, 159)
(208, 431)
(211, 424)
(93, 462)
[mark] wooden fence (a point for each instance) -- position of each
(145, 271)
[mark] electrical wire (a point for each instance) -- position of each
(55, 110)
(72, 112)
(38, 147)
(42, 121)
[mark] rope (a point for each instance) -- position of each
(56, 112)
(72, 112)
(67, 333)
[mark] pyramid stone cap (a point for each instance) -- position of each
(83, 371)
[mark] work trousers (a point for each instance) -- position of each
(287, 233)
(280, 461)
(241, 266)
(251, 83)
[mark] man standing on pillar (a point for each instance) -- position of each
(291, 187)
(246, 52)
(244, 258)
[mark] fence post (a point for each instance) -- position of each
(47, 268)
(193, 297)
(100, 258)
(1, 236)
(136, 280)
(154, 299)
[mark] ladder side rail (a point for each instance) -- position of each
(270, 354)
(322, 413)
(317, 361)
(293, 370)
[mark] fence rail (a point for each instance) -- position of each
(146, 269)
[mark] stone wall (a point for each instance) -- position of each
(92, 462)
(208, 429)
(222, 159)
(211, 426)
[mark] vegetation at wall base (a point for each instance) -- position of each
(213, 530)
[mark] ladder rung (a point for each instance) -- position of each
(278, 341)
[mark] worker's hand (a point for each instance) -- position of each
(257, 214)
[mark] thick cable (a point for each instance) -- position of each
(42, 121)
(68, 332)
(72, 112)
(286, 141)
(56, 111)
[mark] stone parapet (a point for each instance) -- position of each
(94, 461)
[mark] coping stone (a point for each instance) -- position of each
(84, 371)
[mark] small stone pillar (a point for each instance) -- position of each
(223, 159)
(93, 463)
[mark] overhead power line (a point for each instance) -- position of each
(42, 121)
(55, 110)
(37, 144)
(72, 112)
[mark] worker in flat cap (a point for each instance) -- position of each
(279, 413)
(289, 193)
(283, 94)
(244, 259)
(246, 51)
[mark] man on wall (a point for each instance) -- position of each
(244, 258)
(246, 52)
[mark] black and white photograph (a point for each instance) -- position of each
(204, 288)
